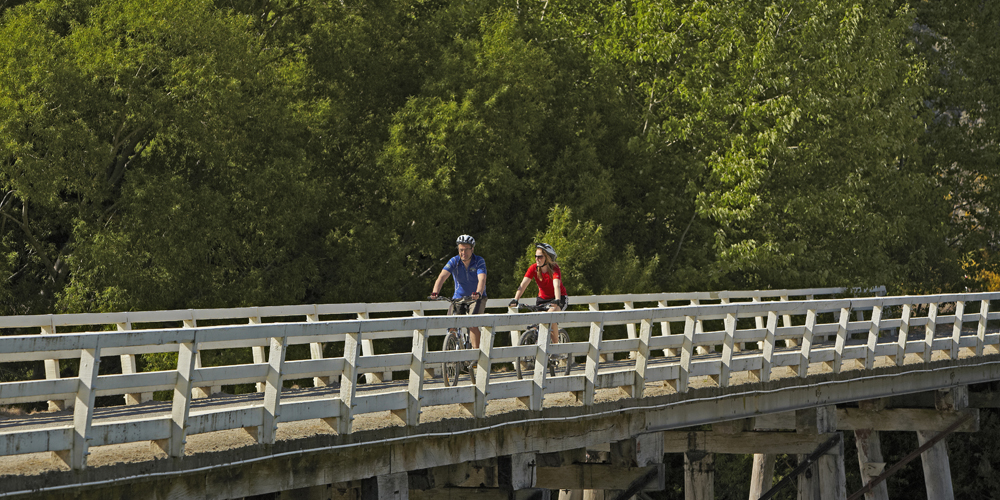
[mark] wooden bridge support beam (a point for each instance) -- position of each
(699, 476)
(517, 472)
(870, 459)
(762, 477)
(387, 487)
(937, 469)
(826, 479)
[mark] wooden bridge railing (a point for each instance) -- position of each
(189, 318)
(719, 329)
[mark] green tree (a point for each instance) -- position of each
(151, 158)
(781, 125)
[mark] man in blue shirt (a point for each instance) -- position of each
(469, 271)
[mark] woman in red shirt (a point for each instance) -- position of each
(548, 277)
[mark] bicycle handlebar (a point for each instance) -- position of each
(535, 308)
(460, 300)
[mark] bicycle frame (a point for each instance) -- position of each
(458, 339)
(530, 336)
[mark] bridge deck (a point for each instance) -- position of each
(38, 463)
(727, 361)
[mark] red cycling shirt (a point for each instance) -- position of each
(544, 282)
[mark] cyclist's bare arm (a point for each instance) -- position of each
(521, 289)
(440, 282)
(481, 286)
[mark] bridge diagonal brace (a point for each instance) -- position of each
(812, 458)
(636, 486)
(907, 459)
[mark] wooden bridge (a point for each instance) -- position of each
(772, 372)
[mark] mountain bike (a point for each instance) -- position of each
(530, 337)
(458, 338)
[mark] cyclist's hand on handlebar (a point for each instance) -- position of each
(513, 303)
(475, 295)
(434, 295)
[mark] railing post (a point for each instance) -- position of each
(316, 352)
(699, 327)
(838, 347)
(686, 352)
(597, 307)
(984, 311)
(83, 408)
(415, 384)
(956, 331)
(129, 367)
(348, 382)
(515, 335)
(181, 404)
(807, 341)
(641, 359)
(768, 351)
(873, 332)
(735, 347)
(427, 371)
(52, 372)
(483, 368)
(199, 392)
(368, 349)
(541, 368)
(259, 356)
(904, 331)
(593, 361)
(758, 321)
(630, 327)
(665, 330)
(272, 391)
(932, 312)
(726, 363)
(786, 321)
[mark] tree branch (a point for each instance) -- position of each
(125, 155)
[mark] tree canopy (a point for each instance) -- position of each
(187, 153)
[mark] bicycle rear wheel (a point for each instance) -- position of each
(564, 339)
(526, 363)
(450, 370)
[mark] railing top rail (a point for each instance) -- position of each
(176, 315)
(222, 333)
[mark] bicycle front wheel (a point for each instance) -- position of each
(450, 369)
(526, 363)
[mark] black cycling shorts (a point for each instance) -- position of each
(563, 302)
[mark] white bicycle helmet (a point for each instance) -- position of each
(465, 239)
(547, 249)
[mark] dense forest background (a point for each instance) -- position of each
(161, 154)
(184, 153)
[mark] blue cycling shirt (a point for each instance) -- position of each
(466, 278)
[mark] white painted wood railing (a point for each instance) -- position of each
(715, 328)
